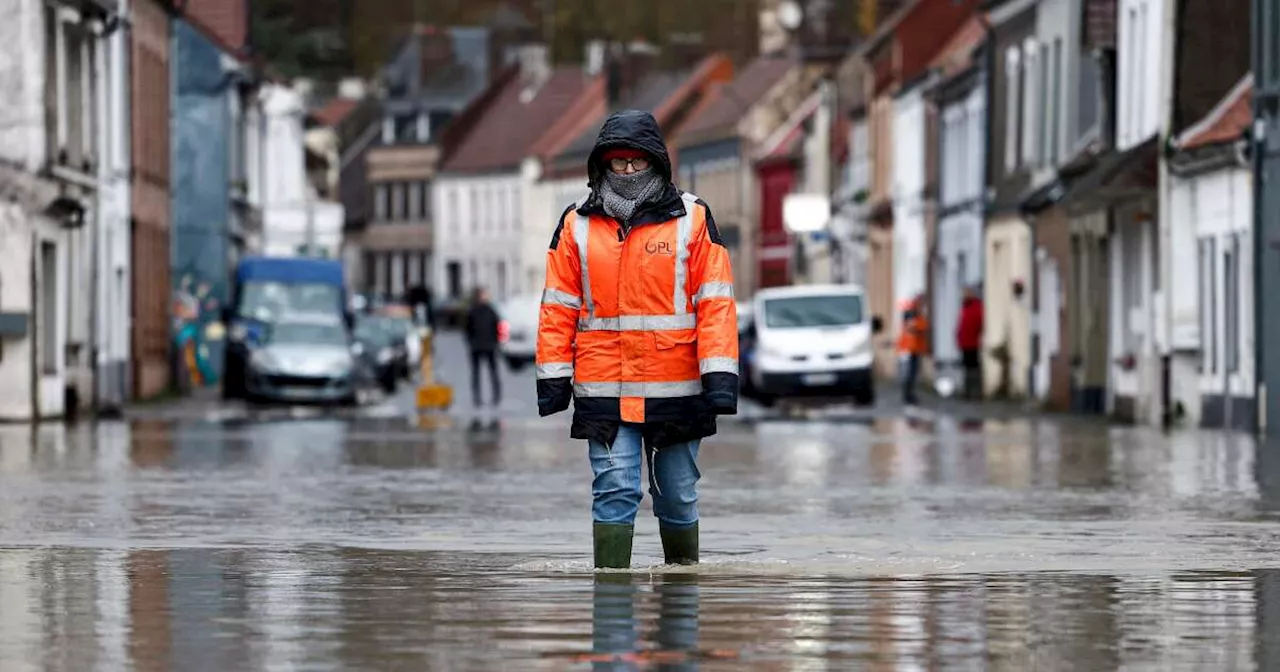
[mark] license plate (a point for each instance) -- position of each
(815, 379)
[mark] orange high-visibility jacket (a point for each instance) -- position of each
(640, 324)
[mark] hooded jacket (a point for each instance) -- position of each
(638, 322)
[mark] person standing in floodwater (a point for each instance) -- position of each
(913, 344)
(482, 328)
(638, 327)
(969, 341)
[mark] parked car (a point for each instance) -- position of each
(399, 319)
(811, 340)
(518, 333)
(305, 357)
(383, 348)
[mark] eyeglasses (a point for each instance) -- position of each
(620, 165)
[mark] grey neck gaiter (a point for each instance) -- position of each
(622, 193)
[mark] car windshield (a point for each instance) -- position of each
(375, 330)
(813, 311)
(308, 333)
(267, 301)
(521, 307)
(398, 326)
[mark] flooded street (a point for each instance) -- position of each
(376, 543)
(885, 539)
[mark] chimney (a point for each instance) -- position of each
(594, 61)
(436, 50)
(352, 88)
(626, 68)
(535, 66)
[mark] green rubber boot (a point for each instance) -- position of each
(680, 544)
(613, 545)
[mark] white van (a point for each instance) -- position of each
(519, 330)
(810, 340)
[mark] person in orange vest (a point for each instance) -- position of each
(913, 344)
(638, 327)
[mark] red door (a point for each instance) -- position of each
(776, 181)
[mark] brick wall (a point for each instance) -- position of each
(150, 338)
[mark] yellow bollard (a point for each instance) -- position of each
(431, 395)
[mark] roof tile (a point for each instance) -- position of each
(510, 127)
(727, 104)
(334, 111)
(1226, 122)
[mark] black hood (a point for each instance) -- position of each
(632, 129)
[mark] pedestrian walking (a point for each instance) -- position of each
(913, 344)
(969, 341)
(482, 324)
(639, 329)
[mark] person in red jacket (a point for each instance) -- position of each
(969, 341)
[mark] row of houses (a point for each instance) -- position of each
(1082, 163)
(142, 152)
(457, 167)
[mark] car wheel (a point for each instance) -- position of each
(231, 388)
(517, 363)
(865, 395)
(766, 400)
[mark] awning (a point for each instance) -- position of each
(1118, 176)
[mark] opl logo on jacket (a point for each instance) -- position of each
(658, 247)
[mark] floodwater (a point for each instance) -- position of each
(891, 544)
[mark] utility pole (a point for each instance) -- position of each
(1265, 145)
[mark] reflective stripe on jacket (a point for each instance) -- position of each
(643, 322)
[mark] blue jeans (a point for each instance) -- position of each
(673, 480)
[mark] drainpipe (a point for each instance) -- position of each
(1164, 249)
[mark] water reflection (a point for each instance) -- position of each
(620, 639)
(197, 609)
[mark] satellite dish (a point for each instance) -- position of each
(790, 15)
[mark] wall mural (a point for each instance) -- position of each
(197, 324)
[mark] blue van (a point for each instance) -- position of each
(263, 290)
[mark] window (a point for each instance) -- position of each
(381, 202)
(454, 216)
(415, 200)
(1056, 125)
(475, 215)
(397, 201)
(1231, 264)
(1131, 77)
(70, 87)
(1208, 306)
(406, 126)
(1139, 85)
(1088, 96)
(515, 208)
(1046, 130)
(453, 273)
(1013, 81)
(48, 327)
(426, 200)
(1032, 86)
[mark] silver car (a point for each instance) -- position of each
(304, 358)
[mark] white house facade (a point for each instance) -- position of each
(294, 219)
(1136, 288)
(1210, 221)
(910, 239)
(961, 193)
(477, 237)
(541, 204)
(113, 256)
(56, 233)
